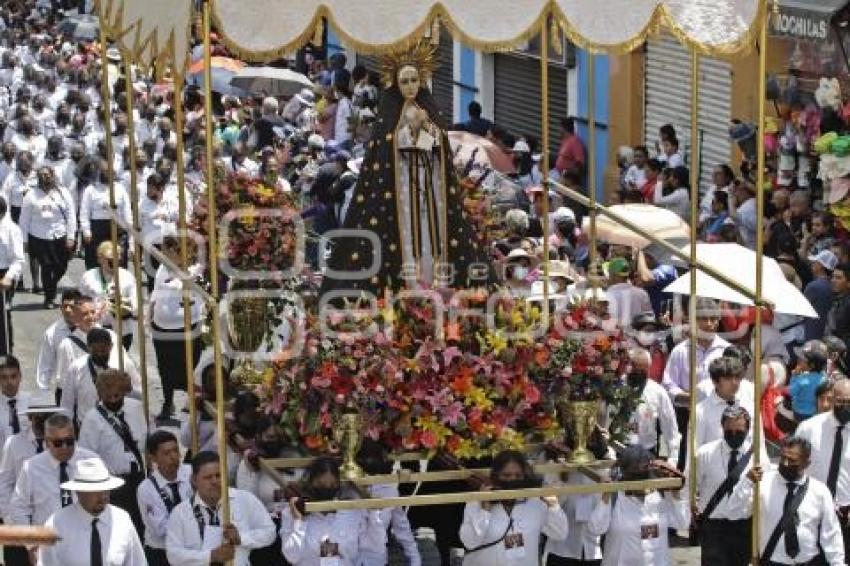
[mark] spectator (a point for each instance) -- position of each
(819, 293)
(475, 124)
(571, 155)
(809, 374)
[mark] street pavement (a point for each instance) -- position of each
(30, 319)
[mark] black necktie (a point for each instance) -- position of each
(731, 403)
(39, 445)
(175, 492)
(733, 461)
(835, 461)
(213, 518)
(64, 494)
(96, 557)
(789, 527)
(13, 416)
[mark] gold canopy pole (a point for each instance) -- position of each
(591, 170)
(213, 255)
(106, 95)
(182, 213)
(141, 340)
(692, 311)
(544, 160)
(757, 349)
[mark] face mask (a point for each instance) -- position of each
(270, 447)
(636, 379)
(734, 438)
(842, 413)
(637, 475)
(512, 484)
(324, 493)
(788, 473)
(520, 273)
(646, 338)
(114, 407)
(101, 361)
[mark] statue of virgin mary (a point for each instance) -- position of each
(408, 228)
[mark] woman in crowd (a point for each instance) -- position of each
(99, 283)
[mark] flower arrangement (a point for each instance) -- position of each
(461, 386)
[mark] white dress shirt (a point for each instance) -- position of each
(11, 248)
(16, 187)
(35, 144)
(152, 506)
(49, 216)
(530, 518)
(79, 391)
(818, 522)
(94, 205)
(263, 486)
(167, 300)
(21, 402)
(395, 518)
(98, 435)
(636, 530)
(119, 542)
(70, 351)
(710, 411)
(37, 494)
(677, 373)
(349, 530)
(820, 432)
(655, 409)
(102, 290)
(712, 469)
(17, 449)
(580, 543)
(154, 217)
(183, 542)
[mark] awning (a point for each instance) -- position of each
(807, 20)
(819, 6)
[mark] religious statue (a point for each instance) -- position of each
(407, 197)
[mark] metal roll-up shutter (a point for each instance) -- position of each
(518, 96)
(668, 101)
(443, 81)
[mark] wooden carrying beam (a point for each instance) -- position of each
(19, 535)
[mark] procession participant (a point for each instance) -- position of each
(635, 524)
(167, 485)
(92, 531)
(12, 399)
(95, 216)
(18, 184)
(195, 535)
(49, 226)
(580, 548)
(828, 433)
(508, 532)
(37, 492)
(11, 265)
(46, 367)
(17, 449)
(99, 284)
(158, 216)
(115, 429)
(338, 536)
(79, 391)
(655, 412)
(798, 524)
(724, 536)
(730, 390)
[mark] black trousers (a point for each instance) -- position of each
(725, 543)
(682, 419)
(15, 213)
(156, 556)
(271, 555)
(170, 349)
(553, 560)
(6, 343)
(52, 256)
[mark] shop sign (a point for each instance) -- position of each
(800, 24)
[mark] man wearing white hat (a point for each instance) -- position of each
(91, 531)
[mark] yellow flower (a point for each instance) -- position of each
(266, 192)
(496, 342)
(478, 397)
(509, 439)
(468, 449)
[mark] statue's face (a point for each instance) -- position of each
(408, 82)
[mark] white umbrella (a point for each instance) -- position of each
(739, 264)
(660, 222)
(271, 81)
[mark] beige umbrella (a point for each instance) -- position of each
(659, 222)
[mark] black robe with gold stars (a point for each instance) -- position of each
(373, 208)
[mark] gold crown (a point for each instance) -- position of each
(422, 57)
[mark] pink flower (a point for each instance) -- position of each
(428, 439)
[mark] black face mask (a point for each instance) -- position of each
(734, 438)
(636, 379)
(270, 447)
(842, 413)
(101, 361)
(788, 473)
(114, 407)
(637, 475)
(324, 493)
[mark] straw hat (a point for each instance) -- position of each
(92, 475)
(518, 254)
(40, 402)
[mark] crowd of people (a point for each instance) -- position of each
(79, 457)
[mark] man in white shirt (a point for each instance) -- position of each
(92, 531)
(828, 434)
(195, 535)
(37, 493)
(798, 520)
(158, 215)
(95, 214)
(7, 163)
(11, 267)
(729, 391)
(12, 399)
(46, 373)
(655, 411)
(115, 430)
(742, 209)
(168, 485)
(19, 183)
(625, 300)
(725, 536)
(79, 391)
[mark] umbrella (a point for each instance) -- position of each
(464, 146)
(660, 222)
(223, 69)
(83, 27)
(270, 81)
(739, 264)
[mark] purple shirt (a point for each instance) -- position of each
(676, 375)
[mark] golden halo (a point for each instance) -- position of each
(422, 57)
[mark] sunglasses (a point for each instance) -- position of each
(62, 442)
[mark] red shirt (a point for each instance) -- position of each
(571, 154)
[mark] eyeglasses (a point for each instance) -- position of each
(62, 442)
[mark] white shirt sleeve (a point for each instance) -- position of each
(261, 529)
(85, 212)
(600, 518)
(556, 526)
(20, 509)
(16, 254)
(26, 217)
(476, 521)
(669, 426)
(177, 539)
(153, 510)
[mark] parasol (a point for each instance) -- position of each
(660, 222)
(488, 154)
(81, 27)
(223, 70)
(270, 81)
(739, 263)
